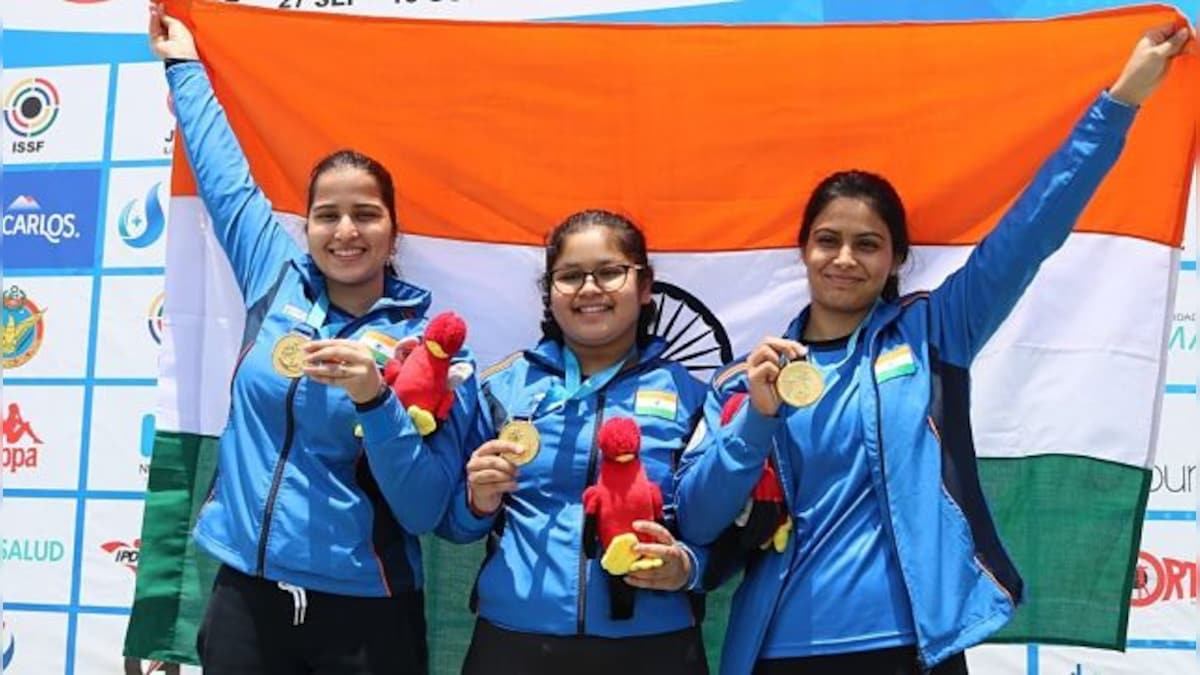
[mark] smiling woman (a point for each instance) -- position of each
(547, 603)
(351, 227)
(899, 567)
(853, 240)
(323, 482)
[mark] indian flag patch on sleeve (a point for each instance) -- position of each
(657, 403)
(895, 363)
(382, 346)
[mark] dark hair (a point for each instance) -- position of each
(876, 192)
(356, 160)
(630, 241)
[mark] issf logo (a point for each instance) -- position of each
(142, 221)
(31, 107)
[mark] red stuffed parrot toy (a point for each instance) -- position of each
(422, 375)
(621, 495)
(763, 523)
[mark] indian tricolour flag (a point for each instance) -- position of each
(711, 137)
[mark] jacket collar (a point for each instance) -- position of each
(885, 314)
(549, 354)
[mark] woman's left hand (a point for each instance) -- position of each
(673, 574)
(1148, 62)
(346, 364)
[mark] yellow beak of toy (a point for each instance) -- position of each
(435, 349)
(626, 458)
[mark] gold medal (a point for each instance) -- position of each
(287, 357)
(524, 434)
(800, 384)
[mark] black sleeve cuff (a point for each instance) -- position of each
(384, 393)
(167, 63)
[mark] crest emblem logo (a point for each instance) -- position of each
(21, 328)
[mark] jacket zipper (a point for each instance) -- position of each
(887, 504)
(590, 478)
(280, 464)
(286, 449)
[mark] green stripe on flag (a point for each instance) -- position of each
(894, 371)
(174, 577)
(1073, 526)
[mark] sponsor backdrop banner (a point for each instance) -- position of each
(86, 146)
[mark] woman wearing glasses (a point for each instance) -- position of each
(545, 604)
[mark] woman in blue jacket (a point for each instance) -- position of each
(545, 604)
(323, 482)
(895, 565)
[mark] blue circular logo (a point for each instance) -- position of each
(142, 221)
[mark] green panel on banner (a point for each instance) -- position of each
(174, 577)
(1073, 526)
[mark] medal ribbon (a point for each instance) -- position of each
(851, 344)
(316, 317)
(574, 387)
(287, 357)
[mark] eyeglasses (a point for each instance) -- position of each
(607, 278)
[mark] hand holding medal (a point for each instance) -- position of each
(287, 356)
(347, 364)
(778, 374)
(491, 474)
(799, 383)
(524, 436)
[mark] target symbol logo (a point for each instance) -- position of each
(30, 107)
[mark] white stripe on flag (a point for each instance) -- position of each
(1075, 369)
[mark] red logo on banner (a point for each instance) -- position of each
(16, 428)
(21, 442)
(1162, 580)
(123, 553)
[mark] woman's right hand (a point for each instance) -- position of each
(490, 475)
(763, 366)
(169, 37)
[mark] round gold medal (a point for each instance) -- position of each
(800, 384)
(524, 434)
(287, 357)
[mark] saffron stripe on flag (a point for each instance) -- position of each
(544, 135)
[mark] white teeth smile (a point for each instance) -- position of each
(348, 253)
(592, 309)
